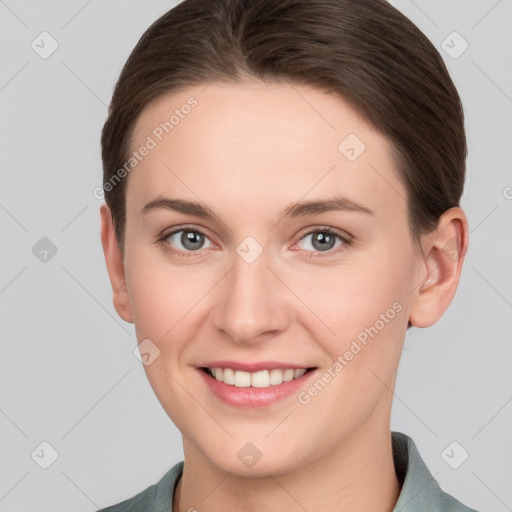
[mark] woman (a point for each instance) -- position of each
(282, 183)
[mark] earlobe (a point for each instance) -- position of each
(115, 266)
(444, 253)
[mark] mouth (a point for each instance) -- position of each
(259, 379)
(257, 386)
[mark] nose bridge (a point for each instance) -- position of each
(250, 306)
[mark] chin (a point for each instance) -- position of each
(250, 461)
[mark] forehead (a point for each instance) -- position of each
(260, 145)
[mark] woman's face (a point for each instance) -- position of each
(248, 279)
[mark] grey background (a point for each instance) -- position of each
(68, 375)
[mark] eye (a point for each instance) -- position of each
(191, 240)
(324, 240)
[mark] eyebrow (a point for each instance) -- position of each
(300, 209)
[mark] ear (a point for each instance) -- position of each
(115, 265)
(444, 251)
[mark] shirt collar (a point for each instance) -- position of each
(420, 491)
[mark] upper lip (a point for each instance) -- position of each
(254, 366)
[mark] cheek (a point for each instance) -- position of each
(163, 296)
(363, 300)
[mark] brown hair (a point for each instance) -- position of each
(366, 51)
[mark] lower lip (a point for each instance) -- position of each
(254, 397)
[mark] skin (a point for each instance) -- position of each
(247, 151)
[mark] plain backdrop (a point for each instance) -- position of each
(68, 375)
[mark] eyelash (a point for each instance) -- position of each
(347, 242)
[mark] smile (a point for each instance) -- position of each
(254, 385)
(259, 379)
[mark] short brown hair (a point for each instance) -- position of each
(366, 51)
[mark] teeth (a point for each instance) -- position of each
(288, 375)
(242, 379)
(276, 377)
(228, 376)
(261, 379)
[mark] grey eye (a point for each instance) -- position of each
(322, 240)
(191, 240)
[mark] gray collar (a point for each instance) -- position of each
(420, 491)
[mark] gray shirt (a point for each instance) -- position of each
(420, 491)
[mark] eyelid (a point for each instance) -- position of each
(344, 235)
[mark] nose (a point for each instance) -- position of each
(252, 305)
